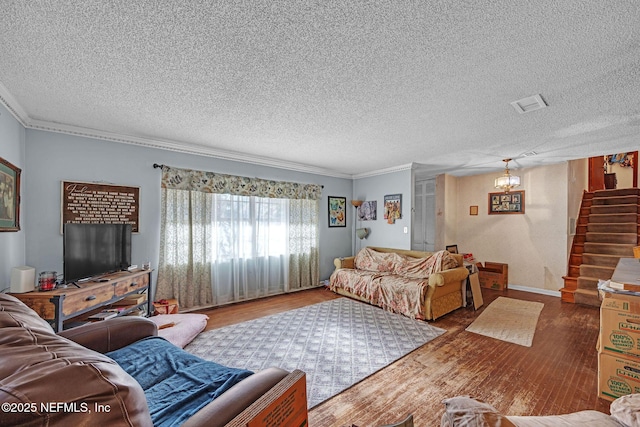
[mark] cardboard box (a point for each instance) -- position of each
(620, 325)
(494, 275)
(621, 302)
(617, 376)
(168, 306)
(476, 292)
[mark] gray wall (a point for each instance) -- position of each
(12, 244)
(375, 188)
(52, 158)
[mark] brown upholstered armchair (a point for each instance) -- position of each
(49, 379)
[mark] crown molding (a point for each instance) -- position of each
(12, 106)
(23, 118)
(393, 169)
(182, 148)
(19, 114)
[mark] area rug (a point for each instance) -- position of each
(510, 320)
(336, 343)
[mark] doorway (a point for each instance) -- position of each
(613, 171)
(424, 221)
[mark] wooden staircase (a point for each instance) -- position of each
(607, 229)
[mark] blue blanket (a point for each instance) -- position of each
(177, 384)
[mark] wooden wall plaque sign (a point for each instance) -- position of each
(97, 203)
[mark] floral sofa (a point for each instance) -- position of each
(420, 285)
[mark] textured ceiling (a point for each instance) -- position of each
(333, 87)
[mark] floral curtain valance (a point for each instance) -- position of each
(210, 182)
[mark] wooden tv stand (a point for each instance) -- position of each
(60, 305)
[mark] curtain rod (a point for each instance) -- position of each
(157, 166)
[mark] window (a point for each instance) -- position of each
(217, 247)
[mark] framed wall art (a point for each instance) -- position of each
(337, 211)
(9, 196)
(506, 203)
(368, 211)
(392, 207)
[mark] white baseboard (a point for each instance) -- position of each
(535, 290)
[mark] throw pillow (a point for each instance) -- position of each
(180, 329)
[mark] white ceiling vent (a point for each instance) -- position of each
(531, 103)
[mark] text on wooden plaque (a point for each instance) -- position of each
(95, 203)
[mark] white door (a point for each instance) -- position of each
(424, 221)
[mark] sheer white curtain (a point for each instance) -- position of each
(303, 243)
(218, 247)
(186, 243)
(250, 256)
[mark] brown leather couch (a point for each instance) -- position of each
(64, 379)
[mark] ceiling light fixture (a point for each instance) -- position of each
(507, 181)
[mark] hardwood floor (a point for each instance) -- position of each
(558, 374)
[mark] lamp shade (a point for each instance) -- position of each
(23, 279)
(509, 181)
(362, 233)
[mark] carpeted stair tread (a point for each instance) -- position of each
(585, 282)
(587, 297)
(601, 259)
(612, 217)
(609, 248)
(598, 271)
(616, 192)
(630, 238)
(607, 227)
(610, 209)
(615, 200)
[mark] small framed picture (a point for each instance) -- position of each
(368, 211)
(452, 249)
(473, 210)
(392, 207)
(9, 196)
(337, 211)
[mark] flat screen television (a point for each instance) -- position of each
(92, 250)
